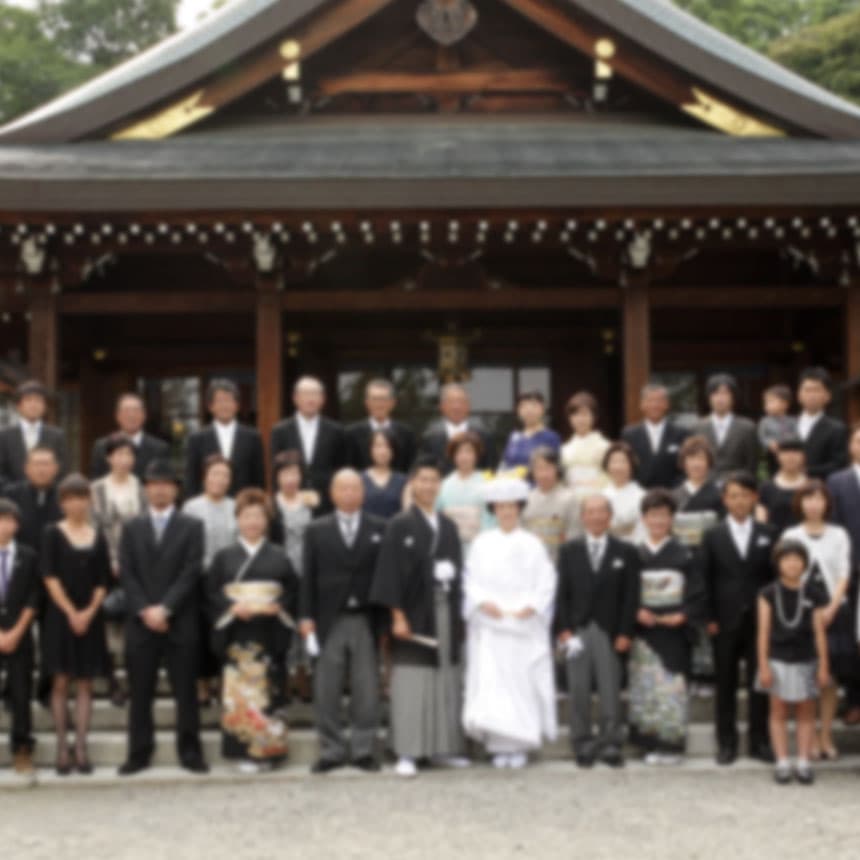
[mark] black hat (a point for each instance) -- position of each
(160, 470)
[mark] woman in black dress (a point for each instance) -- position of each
(776, 496)
(77, 571)
(253, 590)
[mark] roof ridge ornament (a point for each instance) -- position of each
(447, 21)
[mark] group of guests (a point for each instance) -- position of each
(431, 569)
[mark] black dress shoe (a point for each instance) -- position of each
(195, 765)
(804, 775)
(726, 755)
(326, 765)
(612, 756)
(131, 767)
(762, 752)
(584, 760)
(367, 763)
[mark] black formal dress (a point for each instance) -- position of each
(150, 448)
(246, 458)
(384, 501)
(826, 448)
(39, 508)
(656, 468)
(732, 585)
(163, 572)
(253, 652)
(22, 592)
(435, 444)
(778, 502)
(80, 571)
(359, 434)
(330, 453)
(13, 451)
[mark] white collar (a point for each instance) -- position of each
(166, 513)
(454, 429)
(688, 486)
(307, 422)
(136, 439)
(740, 528)
(719, 420)
(12, 548)
(856, 468)
(379, 425)
(592, 539)
(251, 549)
(225, 428)
(656, 547)
(655, 428)
(432, 519)
(30, 425)
(344, 517)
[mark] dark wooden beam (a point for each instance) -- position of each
(269, 361)
(43, 344)
(636, 340)
(466, 81)
(144, 302)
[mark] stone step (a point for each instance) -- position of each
(300, 714)
(108, 748)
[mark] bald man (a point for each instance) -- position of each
(455, 407)
(596, 605)
(321, 442)
(340, 552)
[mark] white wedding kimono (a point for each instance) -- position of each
(510, 691)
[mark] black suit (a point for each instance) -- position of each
(331, 452)
(246, 458)
(435, 444)
(13, 451)
(335, 594)
(660, 468)
(358, 436)
(733, 584)
(39, 508)
(609, 598)
(165, 573)
(150, 448)
(826, 448)
(740, 450)
(23, 592)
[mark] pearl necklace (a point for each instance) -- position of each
(794, 623)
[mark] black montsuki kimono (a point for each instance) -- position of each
(254, 652)
(404, 580)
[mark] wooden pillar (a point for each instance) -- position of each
(851, 351)
(636, 334)
(269, 361)
(43, 344)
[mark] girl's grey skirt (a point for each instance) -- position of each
(792, 682)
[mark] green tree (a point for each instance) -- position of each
(102, 33)
(827, 53)
(32, 68)
(758, 23)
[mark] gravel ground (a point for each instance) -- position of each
(550, 810)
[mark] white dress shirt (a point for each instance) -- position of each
(722, 424)
(226, 434)
(806, 423)
(160, 519)
(349, 525)
(10, 551)
(856, 468)
(137, 438)
(453, 430)
(596, 549)
(741, 534)
(30, 430)
(308, 430)
(655, 434)
(379, 425)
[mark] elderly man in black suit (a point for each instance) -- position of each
(824, 438)
(236, 442)
(340, 553)
(321, 441)
(656, 440)
(380, 402)
(733, 439)
(736, 564)
(596, 604)
(161, 558)
(130, 419)
(455, 406)
(30, 431)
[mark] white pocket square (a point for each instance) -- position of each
(616, 563)
(764, 541)
(375, 538)
(673, 449)
(408, 541)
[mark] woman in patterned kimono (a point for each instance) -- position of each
(672, 599)
(253, 590)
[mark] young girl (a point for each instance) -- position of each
(792, 657)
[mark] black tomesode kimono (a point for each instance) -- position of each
(660, 657)
(254, 652)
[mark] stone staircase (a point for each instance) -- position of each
(107, 745)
